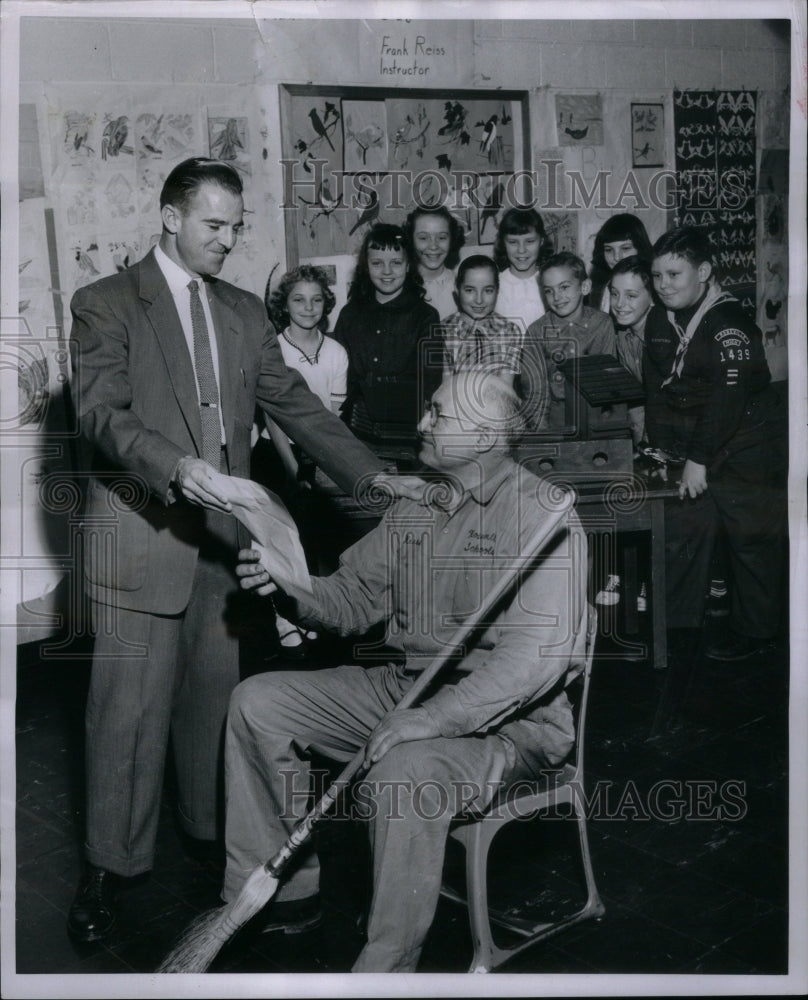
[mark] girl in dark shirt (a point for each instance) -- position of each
(386, 327)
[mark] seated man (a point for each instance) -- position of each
(500, 712)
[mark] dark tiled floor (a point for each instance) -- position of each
(683, 895)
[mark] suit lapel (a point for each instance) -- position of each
(162, 314)
(229, 328)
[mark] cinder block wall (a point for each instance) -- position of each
(623, 59)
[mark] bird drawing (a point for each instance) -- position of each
(114, 136)
(368, 213)
(371, 136)
(454, 116)
(151, 134)
(577, 133)
(85, 262)
(492, 205)
(444, 163)
(642, 154)
(319, 127)
(489, 132)
(325, 203)
(228, 142)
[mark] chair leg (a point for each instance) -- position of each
(594, 906)
(477, 848)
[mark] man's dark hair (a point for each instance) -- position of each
(187, 177)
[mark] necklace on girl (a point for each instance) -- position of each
(312, 359)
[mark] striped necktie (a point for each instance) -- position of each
(206, 378)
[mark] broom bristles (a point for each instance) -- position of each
(206, 936)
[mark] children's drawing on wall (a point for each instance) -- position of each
(85, 263)
(165, 136)
(78, 144)
(714, 141)
(228, 139)
(373, 158)
(368, 212)
(364, 127)
(150, 177)
(454, 130)
(473, 135)
(562, 230)
(35, 295)
(116, 140)
(579, 119)
(491, 195)
(79, 206)
(647, 135)
(460, 200)
(123, 253)
(409, 127)
(120, 195)
(314, 126)
(320, 215)
(772, 312)
(316, 131)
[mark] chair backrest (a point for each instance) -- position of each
(581, 697)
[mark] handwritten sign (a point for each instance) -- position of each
(406, 55)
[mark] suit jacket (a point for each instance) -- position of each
(138, 412)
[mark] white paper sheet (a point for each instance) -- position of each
(274, 532)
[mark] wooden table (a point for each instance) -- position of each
(608, 513)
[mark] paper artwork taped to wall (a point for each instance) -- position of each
(120, 196)
(373, 158)
(562, 230)
(79, 143)
(165, 136)
(228, 140)
(714, 137)
(579, 119)
(491, 199)
(116, 138)
(647, 135)
(364, 130)
(409, 128)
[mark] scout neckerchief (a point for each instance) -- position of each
(714, 295)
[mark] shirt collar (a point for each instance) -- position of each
(467, 325)
(176, 277)
(482, 493)
(560, 324)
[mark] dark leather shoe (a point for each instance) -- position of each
(93, 912)
(294, 916)
(736, 647)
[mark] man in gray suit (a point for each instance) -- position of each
(169, 366)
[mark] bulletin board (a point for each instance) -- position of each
(353, 156)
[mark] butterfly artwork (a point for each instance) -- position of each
(736, 102)
(694, 99)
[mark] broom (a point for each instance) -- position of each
(205, 937)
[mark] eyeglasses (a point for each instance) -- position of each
(434, 413)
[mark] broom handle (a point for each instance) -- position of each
(301, 833)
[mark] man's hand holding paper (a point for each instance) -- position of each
(276, 539)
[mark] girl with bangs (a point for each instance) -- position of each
(385, 327)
